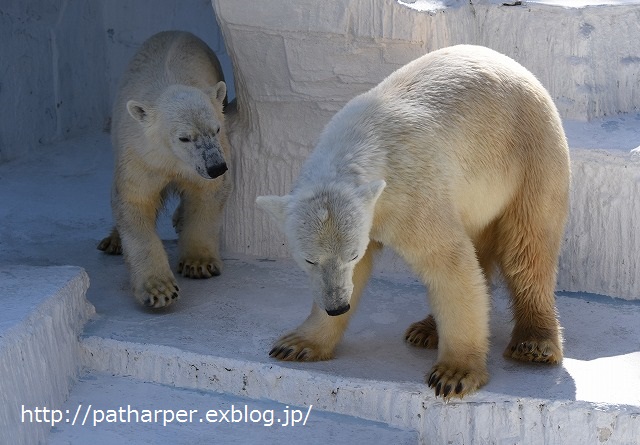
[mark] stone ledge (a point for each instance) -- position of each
(483, 418)
(44, 311)
(229, 424)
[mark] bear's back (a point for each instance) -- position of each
(470, 103)
(465, 81)
(169, 57)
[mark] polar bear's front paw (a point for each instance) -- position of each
(423, 333)
(158, 292)
(200, 267)
(297, 347)
(456, 381)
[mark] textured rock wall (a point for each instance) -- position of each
(297, 63)
(52, 75)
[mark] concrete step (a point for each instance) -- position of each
(43, 312)
(114, 410)
(218, 339)
(210, 352)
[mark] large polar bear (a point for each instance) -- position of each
(168, 136)
(458, 161)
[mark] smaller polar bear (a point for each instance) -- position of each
(458, 161)
(168, 136)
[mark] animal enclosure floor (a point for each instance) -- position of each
(55, 209)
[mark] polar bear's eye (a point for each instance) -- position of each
(184, 139)
(218, 130)
(354, 258)
(310, 262)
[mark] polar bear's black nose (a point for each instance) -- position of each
(217, 170)
(339, 311)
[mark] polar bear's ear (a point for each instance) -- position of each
(371, 191)
(275, 206)
(139, 111)
(219, 92)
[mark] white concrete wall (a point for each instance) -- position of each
(53, 72)
(61, 61)
(601, 252)
(297, 63)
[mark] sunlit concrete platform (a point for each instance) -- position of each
(125, 410)
(211, 348)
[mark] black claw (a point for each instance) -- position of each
(438, 388)
(273, 350)
(432, 379)
(287, 353)
(177, 288)
(459, 388)
(174, 296)
(302, 355)
(447, 390)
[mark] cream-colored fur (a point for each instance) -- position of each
(458, 162)
(168, 136)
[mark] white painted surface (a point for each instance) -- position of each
(43, 312)
(600, 252)
(106, 393)
(522, 404)
(231, 321)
